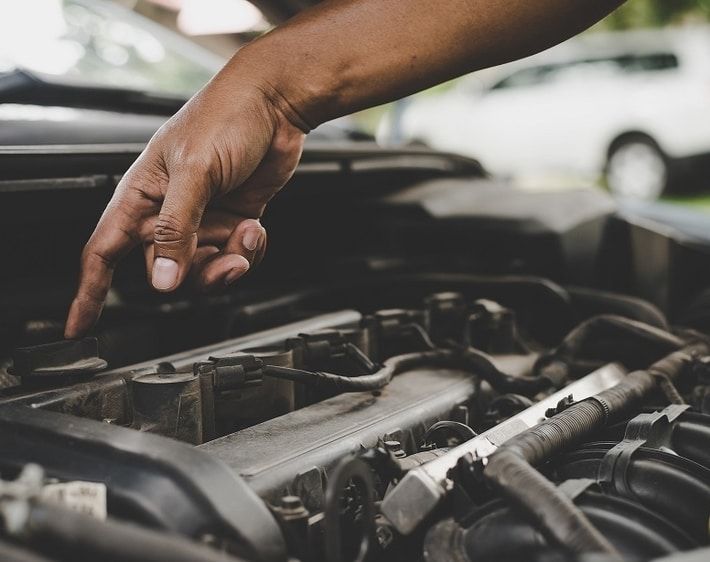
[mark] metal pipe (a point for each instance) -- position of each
(422, 489)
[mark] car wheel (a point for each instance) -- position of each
(637, 169)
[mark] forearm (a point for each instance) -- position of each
(346, 55)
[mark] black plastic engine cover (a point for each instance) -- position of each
(556, 233)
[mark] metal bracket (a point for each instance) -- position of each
(652, 430)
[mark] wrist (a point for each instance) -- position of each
(305, 92)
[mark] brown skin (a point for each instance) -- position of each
(196, 193)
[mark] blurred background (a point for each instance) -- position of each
(625, 106)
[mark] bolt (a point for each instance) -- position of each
(292, 509)
(291, 503)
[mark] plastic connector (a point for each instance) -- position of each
(231, 372)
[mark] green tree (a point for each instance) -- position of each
(655, 13)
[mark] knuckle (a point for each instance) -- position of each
(169, 230)
(147, 171)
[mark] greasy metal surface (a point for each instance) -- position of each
(169, 404)
(102, 398)
(58, 359)
(342, 318)
(593, 383)
(421, 490)
(268, 455)
(86, 398)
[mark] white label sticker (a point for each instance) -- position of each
(88, 498)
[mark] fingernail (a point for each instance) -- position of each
(233, 275)
(251, 238)
(165, 274)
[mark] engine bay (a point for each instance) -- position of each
(377, 430)
(473, 374)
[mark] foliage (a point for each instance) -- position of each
(656, 13)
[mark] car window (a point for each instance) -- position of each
(526, 77)
(623, 64)
(99, 43)
(647, 63)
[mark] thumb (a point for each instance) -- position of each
(175, 232)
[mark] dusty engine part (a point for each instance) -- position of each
(441, 428)
(58, 359)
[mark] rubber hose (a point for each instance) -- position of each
(469, 360)
(511, 468)
(74, 536)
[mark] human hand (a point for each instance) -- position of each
(194, 196)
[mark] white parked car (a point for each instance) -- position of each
(633, 107)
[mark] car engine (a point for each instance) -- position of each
(456, 371)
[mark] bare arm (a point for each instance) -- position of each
(345, 56)
(238, 141)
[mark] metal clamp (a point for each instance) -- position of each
(652, 430)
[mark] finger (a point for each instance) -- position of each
(213, 232)
(221, 270)
(217, 226)
(175, 233)
(246, 239)
(115, 235)
(240, 252)
(203, 255)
